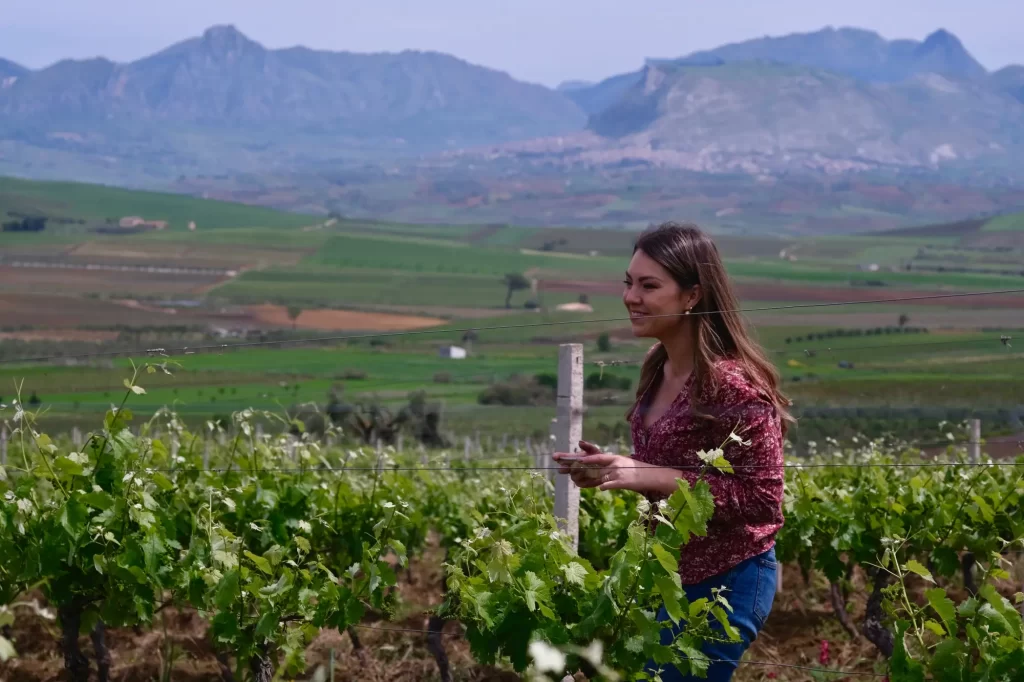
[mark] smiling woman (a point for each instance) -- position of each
(704, 386)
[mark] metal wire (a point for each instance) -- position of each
(471, 469)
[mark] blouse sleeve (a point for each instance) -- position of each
(753, 493)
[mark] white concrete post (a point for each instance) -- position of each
(568, 434)
(975, 443)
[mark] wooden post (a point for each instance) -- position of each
(400, 443)
(974, 445)
(3, 445)
(259, 432)
(468, 447)
(380, 455)
(76, 437)
(206, 453)
(504, 441)
(568, 435)
(778, 579)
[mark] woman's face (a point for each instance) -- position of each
(651, 291)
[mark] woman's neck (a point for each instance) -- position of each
(680, 350)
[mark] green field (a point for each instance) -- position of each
(1006, 223)
(456, 273)
(97, 203)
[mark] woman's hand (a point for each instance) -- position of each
(596, 469)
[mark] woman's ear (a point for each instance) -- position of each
(694, 297)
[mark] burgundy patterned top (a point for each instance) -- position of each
(748, 502)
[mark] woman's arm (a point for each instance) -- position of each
(755, 485)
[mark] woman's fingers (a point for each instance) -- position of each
(589, 448)
(602, 459)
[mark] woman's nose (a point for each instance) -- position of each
(631, 296)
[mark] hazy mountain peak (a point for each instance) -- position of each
(227, 42)
(943, 53)
(9, 69)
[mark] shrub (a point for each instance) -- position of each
(604, 343)
(516, 392)
(549, 379)
(597, 381)
(443, 378)
(352, 375)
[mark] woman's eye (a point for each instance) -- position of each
(627, 282)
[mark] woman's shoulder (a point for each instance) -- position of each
(732, 385)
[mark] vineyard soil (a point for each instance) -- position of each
(800, 620)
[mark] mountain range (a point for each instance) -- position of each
(830, 101)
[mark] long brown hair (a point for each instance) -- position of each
(691, 257)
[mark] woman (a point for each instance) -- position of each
(703, 379)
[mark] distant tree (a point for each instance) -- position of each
(34, 400)
(26, 224)
(584, 298)
(293, 313)
(904, 318)
(604, 343)
(515, 282)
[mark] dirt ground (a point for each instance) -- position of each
(396, 651)
(801, 619)
(60, 335)
(340, 319)
(58, 317)
(79, 281)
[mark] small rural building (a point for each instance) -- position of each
(453, 352)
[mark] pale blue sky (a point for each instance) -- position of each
(544, 41)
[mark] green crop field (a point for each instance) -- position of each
(93, 202)
(1006, 223)
(426, 255)
(456, 273)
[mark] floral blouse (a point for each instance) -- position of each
(748, 502)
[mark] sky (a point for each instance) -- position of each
(540, 41)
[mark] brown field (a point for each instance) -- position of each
(52, 312)
(74, 281)
(184, 255)
(54, 315)
(60, 335)
(341, 319)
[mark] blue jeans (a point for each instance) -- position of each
(750, 590)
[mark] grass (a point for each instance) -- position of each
(957, 371)
(456, 272)
(362, 287)
(821, 274)
(424, 255)
(1005, 223)
(97, 203)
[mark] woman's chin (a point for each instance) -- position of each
(641, 328)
